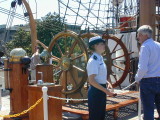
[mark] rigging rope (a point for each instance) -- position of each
(9, 23)
(66, 11)
(98, 13)
(89, 9)
(78, 12)
(75, 13)
(5, 11)
(25, 11)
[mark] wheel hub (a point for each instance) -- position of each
(65, 63)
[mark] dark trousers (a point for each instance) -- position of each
(96, 103)
(150, 94)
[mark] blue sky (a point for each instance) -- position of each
(43, 7)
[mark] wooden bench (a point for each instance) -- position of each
(115, 107)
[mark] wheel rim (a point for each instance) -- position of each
(112, 61)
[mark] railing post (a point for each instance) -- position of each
(45, 102)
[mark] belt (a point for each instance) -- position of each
(151, 77)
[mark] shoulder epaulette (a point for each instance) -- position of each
(95, 57)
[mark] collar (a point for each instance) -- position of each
(99, 57)
(148, 40)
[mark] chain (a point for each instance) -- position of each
(67, 99)
(23, 112)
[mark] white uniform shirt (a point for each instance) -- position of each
(149, 60)
(97, 66)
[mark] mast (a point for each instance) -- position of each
(147, 13)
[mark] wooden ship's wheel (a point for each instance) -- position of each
(117, 59)
(69, 61)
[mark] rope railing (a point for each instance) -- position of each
(23, 112)
(67, 99)
(45, 104)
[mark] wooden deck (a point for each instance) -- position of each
(117, 104)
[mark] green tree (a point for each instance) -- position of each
(48, 27)
(21, 39)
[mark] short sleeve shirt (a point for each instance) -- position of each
(97, 66)
(35, 59)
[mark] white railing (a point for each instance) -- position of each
(45, 102)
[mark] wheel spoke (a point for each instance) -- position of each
(59, 49)
(73, 46)
(60, 75)
(57, 72)
(75, 82)
(79, 69)
(55, 58)
(118, 67)
(114, 48)
(118, 57)
(130, 53)
(65, 44)
(64, 80)
(55, 67)
(114, 76)
(78, 56)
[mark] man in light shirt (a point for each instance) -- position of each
(148, 74)
(35, 59)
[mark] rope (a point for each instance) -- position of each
(67, 99)
(129, 85)
(66, 11)
(23, 112)
(17, 15)
(103, 13)
(91, 12)
(24, 11)
(59, 8)
(89, 9)
(9, 22)
(79, 15)
(98, 13)
(77, 12)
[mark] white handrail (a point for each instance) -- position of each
(45, 102)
